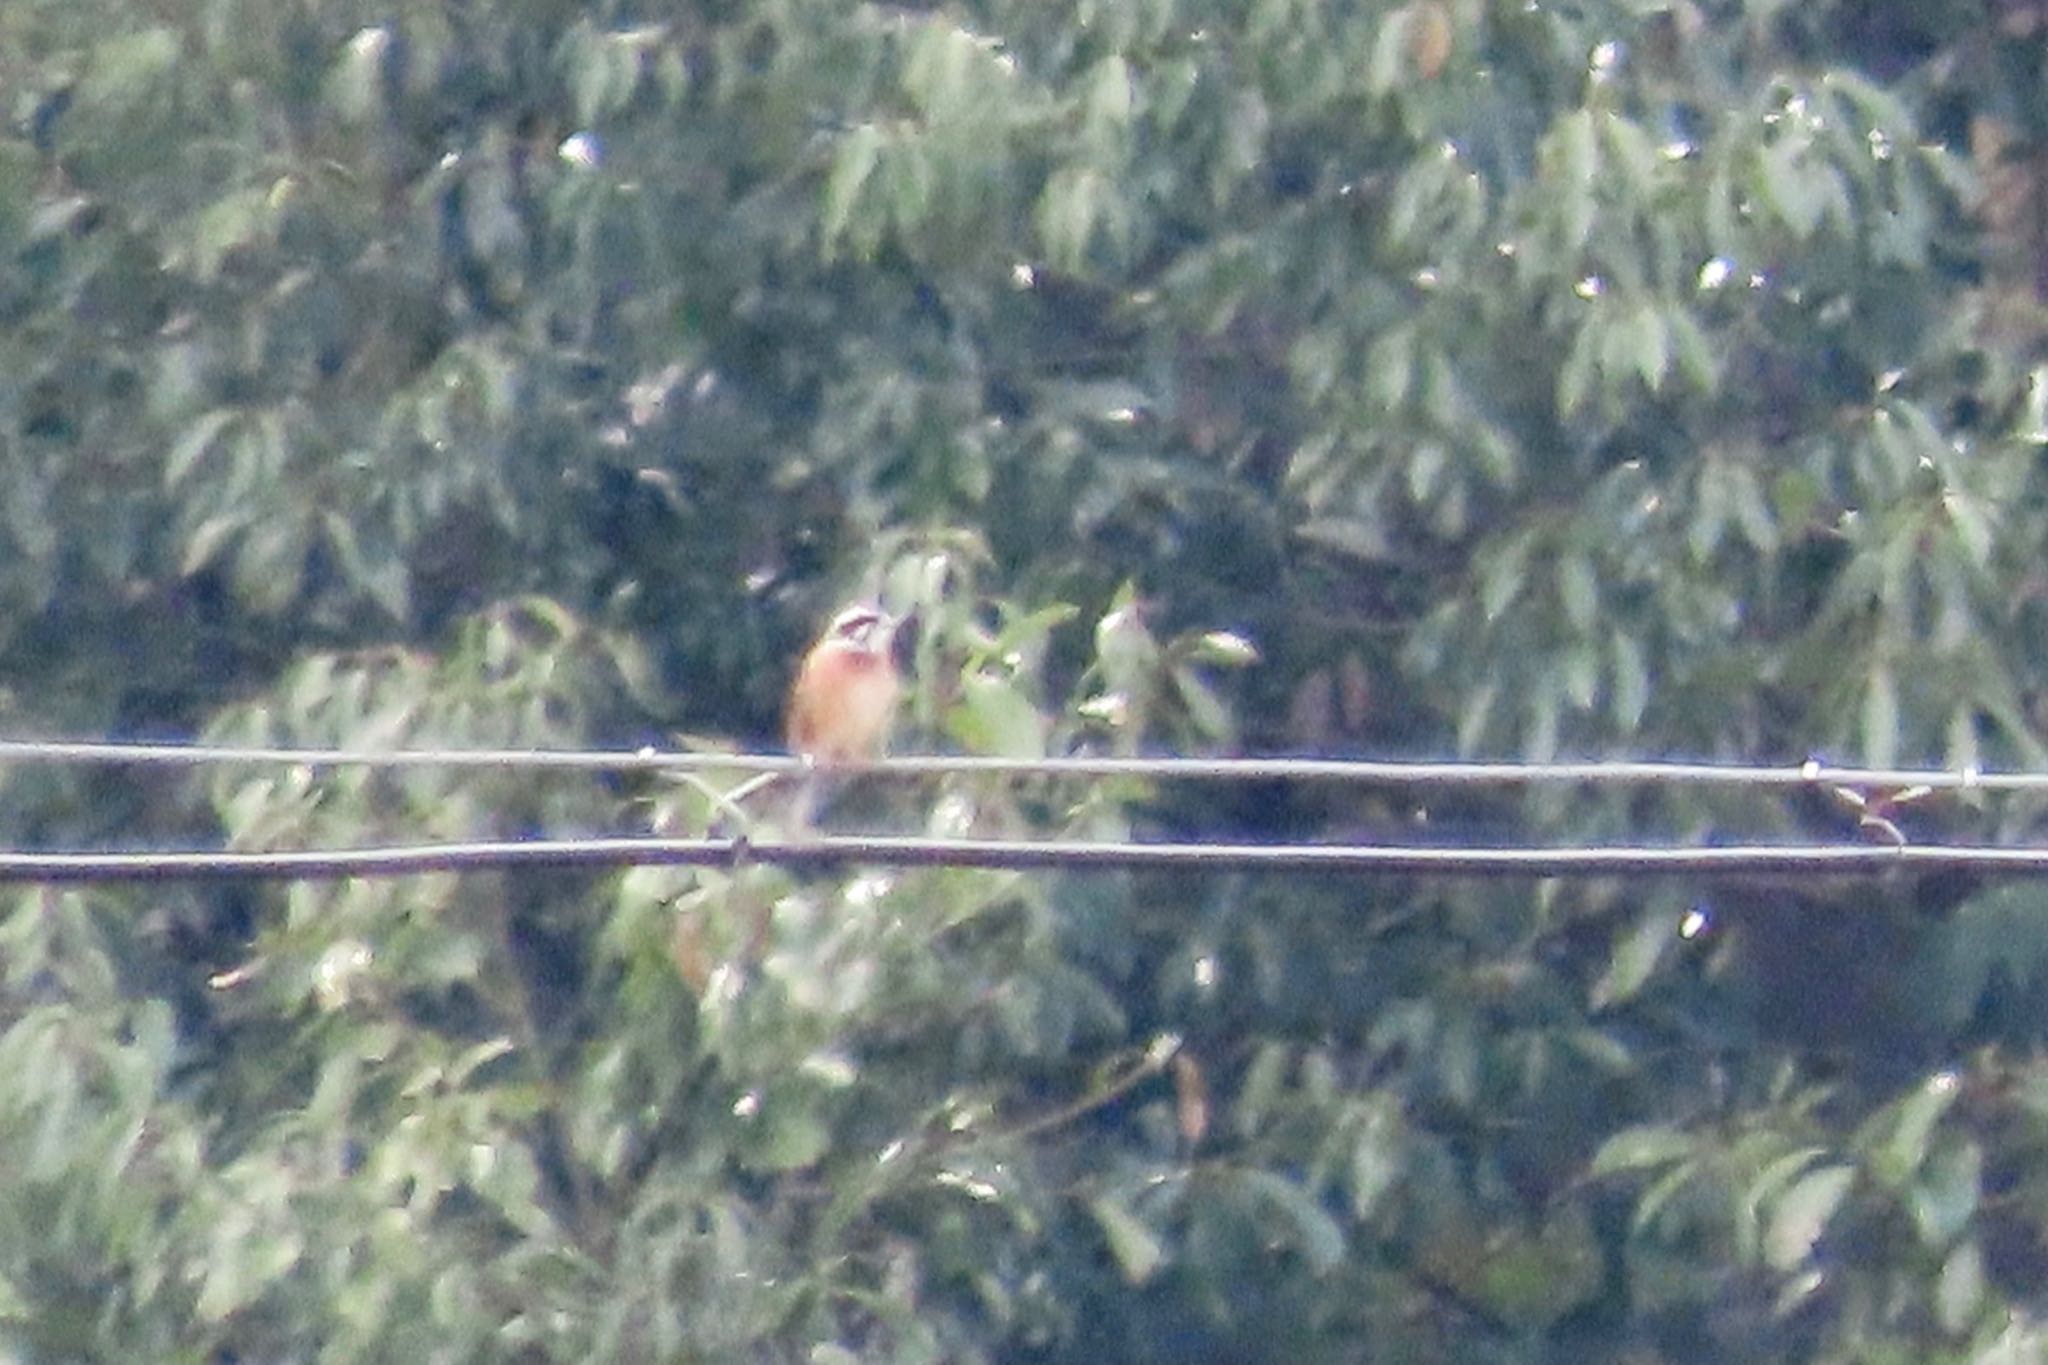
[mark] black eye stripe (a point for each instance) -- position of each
(857, 623)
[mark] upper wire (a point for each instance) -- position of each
(1401, 772)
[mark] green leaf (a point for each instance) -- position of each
(1108, 102)
(1914, 1119)
(270, 565)
(1502, 577)
(1790, 185)
(994, 716)
(1206, 711)
(947, 73)
(1880, 718)
(245, 1260)
(1972, 520)
(1223, 648)
(1752, 512)
(1580, 672)
(1660, 1196)
(909, 184)
(1635, 957)
(204, 545)
(1579, 589)
(1138, 1253)
(1313, 1232)
(1458, 1061)
(380, 575)
(504, 1172)
(1948, 1193)
(14, 1305)
(1069, 209)
(1125, 650)
(1573, 162)
(1629, 150)
(196, 440)
(1603, 1050)
(123, 69)
(1800, 1216)
(1542, 718)
(355, 83)
(1710, 513)
(1315, 360)
(859, 152)
(1390, 369)
(1475, 717)
(1388, 61)
(1960, 1291)
(790, 1135)
(1630, 694)
(245, 218)
(1692, 351)
(1581, 366)
(1795, 496)
(1258, 1092)
(1642, 1148)
(1649, 344)
(1379, 1156)
(1532, 1282)
(1426, 466)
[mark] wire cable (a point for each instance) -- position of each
(1058, 854)
(1385, 772)
(1827, 860)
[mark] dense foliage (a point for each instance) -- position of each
(1648, 377)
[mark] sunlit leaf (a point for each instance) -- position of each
(1800, 1216)
(1912, 1125)
(1069, 211)
(993, 716)
(1389, 60)
(1643, 1148)
(1379, 1157)
(1107, 104)
(859, 152)
(197, 440)
(1960, 1289)
(1880, 717)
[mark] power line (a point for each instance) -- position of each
(1829, 860)
(825, 851)
(1384, 772)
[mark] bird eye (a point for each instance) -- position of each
(857, 624)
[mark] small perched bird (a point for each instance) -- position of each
(845, 693)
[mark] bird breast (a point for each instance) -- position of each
(844, 702)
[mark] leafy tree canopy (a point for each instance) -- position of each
(1648, 377)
